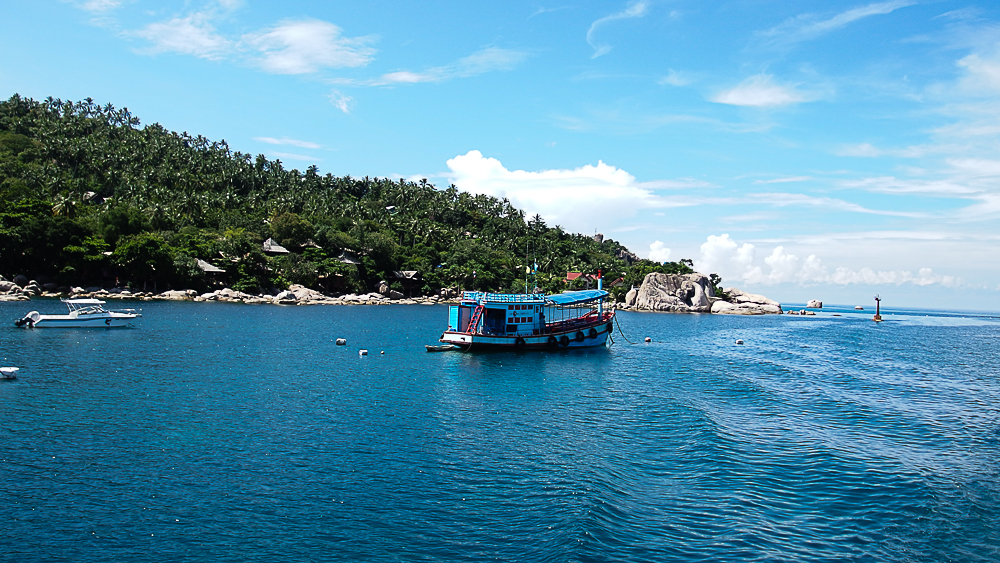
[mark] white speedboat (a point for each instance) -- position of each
(82, 313)
(8, 373)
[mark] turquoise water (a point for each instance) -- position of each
(215, 432)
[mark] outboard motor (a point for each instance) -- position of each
(28, 319)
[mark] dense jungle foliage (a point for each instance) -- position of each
(90, 197)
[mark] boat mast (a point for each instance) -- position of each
(600, 302)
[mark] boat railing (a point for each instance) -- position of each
(481, 296)
(585, 321)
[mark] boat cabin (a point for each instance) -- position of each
(501, 314)
(85, 306)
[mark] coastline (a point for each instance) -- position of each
(296, 295)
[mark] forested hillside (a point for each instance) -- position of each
(89, 197)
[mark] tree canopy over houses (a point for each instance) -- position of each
(89, 196)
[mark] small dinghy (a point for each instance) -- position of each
(440, 348)
(8, 373)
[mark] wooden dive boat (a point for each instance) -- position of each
(530, 321)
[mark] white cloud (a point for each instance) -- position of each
(864, 150)
(737, 264)
(192, 35)
(483, 61)
(893, 185)
(579, 199)
(658, 252)
(307, 46)
(760, 91)
(809, 26)
(675, 78)
(287, 141)
(100, 6)
(341, 101)
(784, 180)
(982, 74)
(635, 9)
(829, 203)
(720, 254)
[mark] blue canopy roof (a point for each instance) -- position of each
(574, 297)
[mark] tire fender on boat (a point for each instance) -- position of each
(564, 340)
(593, 333)
(519, 343)
(553, 341)
(579, 336)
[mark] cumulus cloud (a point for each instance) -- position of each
(579, 199)
(760, 91)
(732, 261)
(658, 252)
(635, 9)
(306, 46)
(290, 47)
(192, 35)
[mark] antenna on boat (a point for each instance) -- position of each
(527, 268)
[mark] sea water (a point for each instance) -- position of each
(220, 432)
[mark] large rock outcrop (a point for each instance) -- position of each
(742, 303)
(680, 293)
(694, 293)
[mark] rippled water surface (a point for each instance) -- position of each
(215, 432)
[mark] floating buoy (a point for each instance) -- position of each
(362, 352)
(341, 341)
(648, 339)
(739, 341)
(382, 352)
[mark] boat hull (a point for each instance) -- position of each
(65, 321)
(581, 337)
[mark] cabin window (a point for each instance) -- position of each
(510, 307)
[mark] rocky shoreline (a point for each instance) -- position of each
(679, 293)
(295, 295)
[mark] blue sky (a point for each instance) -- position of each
(828, 150)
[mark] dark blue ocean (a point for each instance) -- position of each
(217, 432)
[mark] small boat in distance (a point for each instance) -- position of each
(83, 313)
(530, 321)
(8, 372)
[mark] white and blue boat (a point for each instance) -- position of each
(83, 313)
(529, 321)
